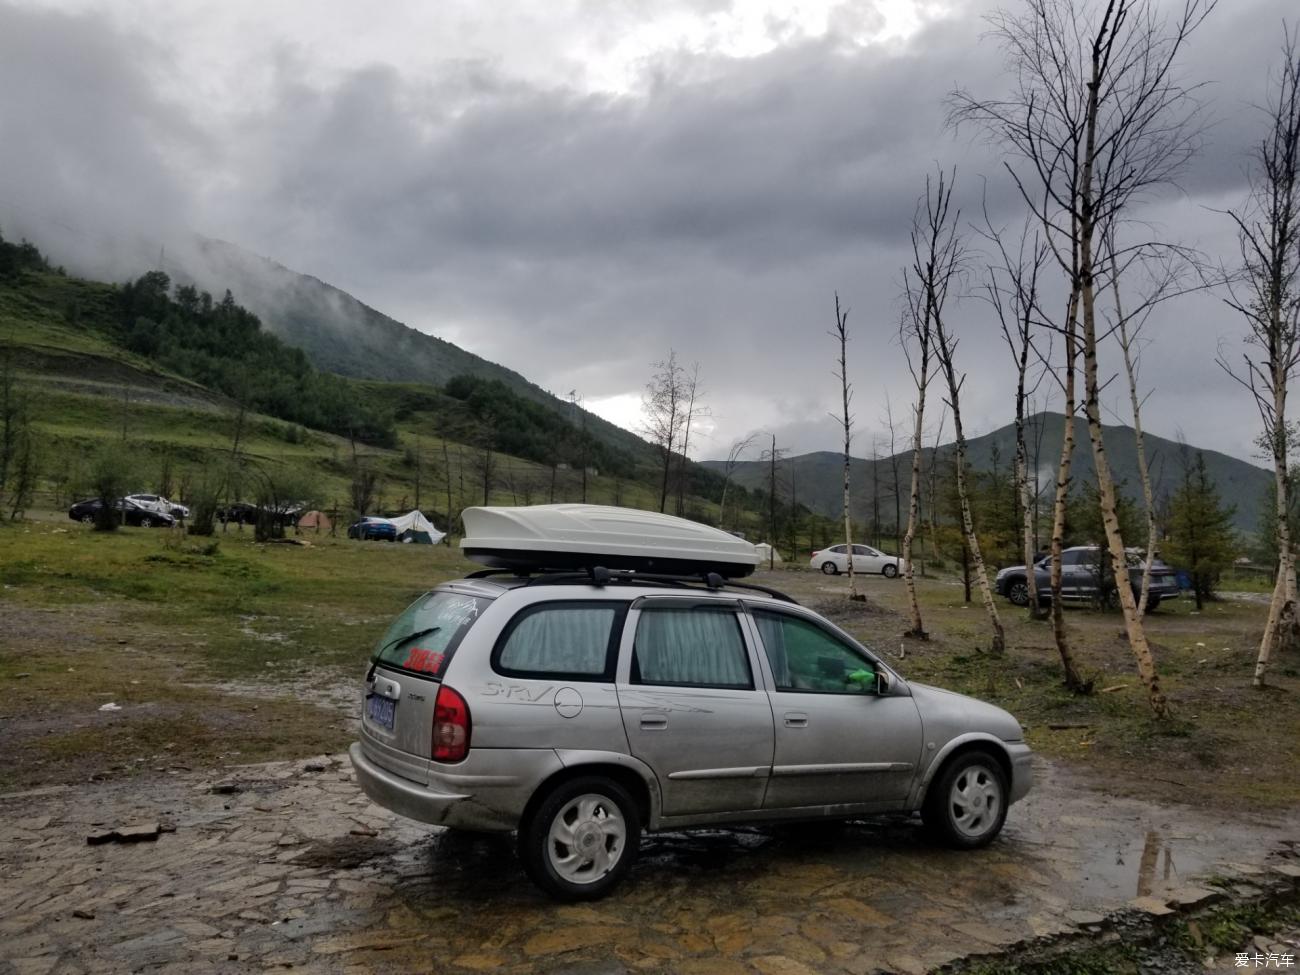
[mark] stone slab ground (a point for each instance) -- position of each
(286, 866)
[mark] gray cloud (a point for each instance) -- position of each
(576, 236)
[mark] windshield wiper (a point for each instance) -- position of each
(374, 661)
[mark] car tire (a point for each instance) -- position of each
(1018, 592)
(581, 840)
(830, 569)
(890, 571)
(1111, 599)
(1153, 603)
(87, 519)
(146, 521)
(966, 803)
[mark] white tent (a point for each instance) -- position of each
(414, 527)
(766, 554)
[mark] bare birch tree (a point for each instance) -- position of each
(892, 427)
(1011, 288)
(733, 458)
(1096, 119)
(841, 335)
(916, 335)
(664, 407)
(1161, 271)
(691, 393)
(941, 224)
(1266, 292)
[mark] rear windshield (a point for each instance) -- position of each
(427, 633)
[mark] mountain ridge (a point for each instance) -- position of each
(818, 475)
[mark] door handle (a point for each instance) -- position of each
(654, 722)
(796, 719)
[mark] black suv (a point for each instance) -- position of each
(1082, 569)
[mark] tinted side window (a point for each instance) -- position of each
(804, 657)
(861, 550)
(699, 646)
(573, 640)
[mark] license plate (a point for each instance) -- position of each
(380, 710)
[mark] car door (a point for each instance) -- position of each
(839, 555)
(839, 738)
(692, 706)
(862, 560)
(1076, 579)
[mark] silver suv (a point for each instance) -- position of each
(582, 709)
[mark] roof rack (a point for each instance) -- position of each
(600, 576)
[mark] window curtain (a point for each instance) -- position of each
(771, 631)
(691, 646)
(563, 640)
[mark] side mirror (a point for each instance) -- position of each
(882, 682)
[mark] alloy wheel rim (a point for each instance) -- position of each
(587, 839)
(975, 801)
(1020, 593)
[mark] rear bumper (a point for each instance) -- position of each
(1022, 769)
(402, 796)
(488, 791)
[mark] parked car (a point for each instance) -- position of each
(582, 708)
(244, 513)
(866, 560)
(130, 513)
(239, 512)
(156, 502)
(373, 530)
(1081, 577)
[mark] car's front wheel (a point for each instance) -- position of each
(146, 522)
(1018, 592)
(87, 519)
(830, 569)
(967, 803)
(581, 840)
(889, 571)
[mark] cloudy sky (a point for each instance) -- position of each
(572, 188)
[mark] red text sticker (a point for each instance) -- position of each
(426, 661)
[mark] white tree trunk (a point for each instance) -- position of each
(913, 518)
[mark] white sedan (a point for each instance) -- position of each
(866, 560)
(156, 502)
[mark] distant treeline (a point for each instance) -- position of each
(222, 345)
(23, 256)
(528, 429)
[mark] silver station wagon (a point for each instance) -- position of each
(585, 706)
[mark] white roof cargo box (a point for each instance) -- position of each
(580, 536)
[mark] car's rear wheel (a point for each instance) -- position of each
(1018, 592)
(830, 568)
(581, 839)
(967, 802)
(146, 521)
(1153, 603)
(87, 519)
(889, 571)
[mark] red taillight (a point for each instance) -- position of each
(450, 726)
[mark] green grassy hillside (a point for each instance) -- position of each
(342, 335)
(98, 368)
